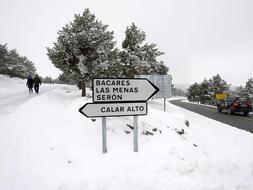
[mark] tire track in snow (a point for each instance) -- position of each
(10, 102)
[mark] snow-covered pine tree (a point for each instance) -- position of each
(14, 65)
(137, 58)
(3, 59)
(28, 67)
(83, 47)
(218, 85)
(63, 79)
(205, 91)
(19, 66)
(241, 91)
(113, 67)
(249, 87)
(193, 93)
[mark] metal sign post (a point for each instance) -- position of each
(164, 104)
(104, 144)
(135, 133)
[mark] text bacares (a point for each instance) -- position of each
(110, 82)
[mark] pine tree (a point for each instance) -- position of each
(82, 48)
(139, 59)
(14, 65)
(241, 91)
(249, 87)
(205, 92)
(29, 68)
(218, 85)
(19, 66)
(3, 59)
(64, 79)
(193, 93)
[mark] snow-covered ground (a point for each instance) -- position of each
(11, 85)
(46, 144)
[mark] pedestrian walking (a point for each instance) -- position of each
(37, 83)
(29, 84)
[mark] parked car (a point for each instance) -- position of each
(235, 104)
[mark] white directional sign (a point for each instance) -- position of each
(123, 90)
(113, 109)
(119, 97)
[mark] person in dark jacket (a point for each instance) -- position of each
(29, 84)
(37, 83)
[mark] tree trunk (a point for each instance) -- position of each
(79, 84)
(83, 89)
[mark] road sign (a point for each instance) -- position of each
(119, 97)
(113, 109)
(123, 90)
(163, 82)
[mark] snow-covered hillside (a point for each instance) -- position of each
(11, 85)
(46, 144)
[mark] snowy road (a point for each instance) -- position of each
(236, 120)
(9, 102)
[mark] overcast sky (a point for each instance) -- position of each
(200, 38)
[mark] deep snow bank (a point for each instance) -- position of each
(11, 85)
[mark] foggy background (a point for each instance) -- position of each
(200, 38)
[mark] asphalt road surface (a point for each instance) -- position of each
(237, 120)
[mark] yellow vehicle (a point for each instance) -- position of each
(221, 96)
